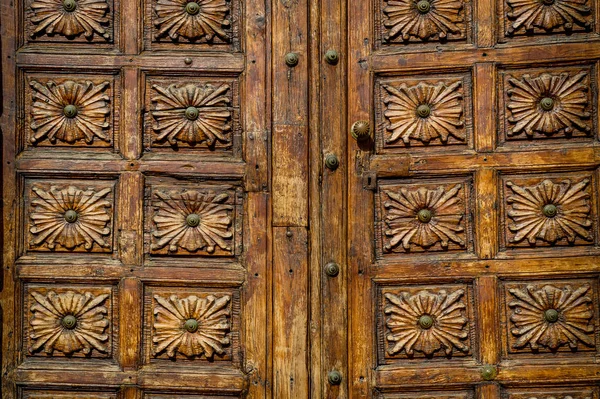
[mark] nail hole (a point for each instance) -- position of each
(484, 54)
(291, 271)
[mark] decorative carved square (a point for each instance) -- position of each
(422, 112)
(193, 218)
(191, 114)
(551, 393)
(424, 216)
(201, 25)
(548, 210)
(551, 317)
(72, 321)
(535, 18)
(423, 21)
(547, 104)
(192, 324)
(69, 215)
(75, 110)
(425, 322)
(71, 22)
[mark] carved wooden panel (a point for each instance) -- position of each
(199, 325)
(557, 18)
(547, 104)
(192, 25)
(426, 395)
(424, 21)
(187, 396)
(423, 111)
(78, 394)
(69, 215)
(187, 113)
(73, 321)
(70, 22)
(551, 393)
(425, 322)
(549, 210)
(74, 110)
(424, 216)
(549, 317)
(193, 218)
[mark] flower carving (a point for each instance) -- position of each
(423, 19)
(426, 322)
(70, 18)
(192, 220)
(551, 317)
(549, 104)
(192, 114)
(191, 326)
(424, 112)
(194, 20)
(550, 211)
(423, 217)
(70, 217)
(548, 15)
(70, 112)
(68, 322)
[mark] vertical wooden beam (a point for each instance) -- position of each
(332, 98)
(484, 104)
(488, 316)
(131, 322)
(290, 113)
(486, 215)
(10, 206)
(360, 203)
(485, 15)
(131, 393)
(130, 218)
(488, 391)
(290, 313)
(131, 38)
(130, 138)
(255, 333)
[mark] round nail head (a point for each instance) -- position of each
(71, 216)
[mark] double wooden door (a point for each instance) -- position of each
(300, 198)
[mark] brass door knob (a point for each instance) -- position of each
(361, 130)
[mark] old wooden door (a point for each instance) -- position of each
(135, 213)
(473, 199)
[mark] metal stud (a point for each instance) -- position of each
(361, 130)
(423, 110)
(425, 322)
(69, 322)
(291, 59)
(547, 103)
(192, 220)
(549, 210)
(69, 5)
(332, 57)
(192, 8)
(551, 315)
(70, 111)
(192, 113)
(191, 325)
(424, 215)
(71, 216)
(488, 372)
(423, 6)
(335, 377)
(332, 269)
(332, 162)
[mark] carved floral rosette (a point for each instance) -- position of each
(424, 218)
(426, 322)
(406, 21)
(75, 216)
(549, 211)
(549, 104)
(551, 316)
(70, 21)
(194, 220)
(543, 17)
(192, 325)
(69, 321)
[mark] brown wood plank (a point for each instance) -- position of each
(131, 141)
(485, 15)
(488, 391)
(255, 331)
(487, 317)
(290, 178)
(130, 323)
(484, 101)
(290, 317)
(130, 222)
(486, 219)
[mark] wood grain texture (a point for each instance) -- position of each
(290, 317)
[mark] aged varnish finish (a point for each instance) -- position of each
(300, 199)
